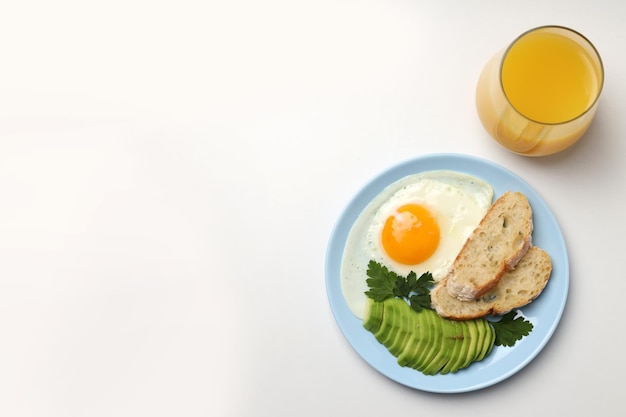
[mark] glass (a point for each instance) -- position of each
(539, 95)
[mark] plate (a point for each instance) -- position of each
(503, 362)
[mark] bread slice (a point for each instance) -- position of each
(516, 288)
(494, 247)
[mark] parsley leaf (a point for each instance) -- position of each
(402, 288)
(384, 284)
(510, 329)
(419, 301)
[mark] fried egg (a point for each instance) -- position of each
(419, 223)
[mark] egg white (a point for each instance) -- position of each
(457, 201)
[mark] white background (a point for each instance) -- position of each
(171, 171)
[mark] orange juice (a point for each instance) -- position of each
(549, 78)
(539, 96)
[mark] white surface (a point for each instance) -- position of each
(170, 174)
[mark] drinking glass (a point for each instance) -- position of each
(539, 95)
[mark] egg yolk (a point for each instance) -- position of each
(411, 235)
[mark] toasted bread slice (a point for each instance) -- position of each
(516, 288)
(498, 243)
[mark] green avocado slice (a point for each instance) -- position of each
(490, 337)
(389, 326)
(406, 327)
(470, 354)
(480, 339)
(373, 316)
(409, 355)
(458, 341)
(433, 336)
(460, 358)
(445, 342)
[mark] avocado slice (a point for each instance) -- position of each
(413, 352)
(425, 348)
(480, 340)
(490, 337)
(373, 315)
(470, 354)
(445, 342)
(458, 341)
(461, 356)
(406, 326)
(389, 325)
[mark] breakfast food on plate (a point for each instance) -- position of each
(418, 223)
(426, 342)
(501, 239)
(441, 228)
(515, 289)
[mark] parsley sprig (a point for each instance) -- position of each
(509, 329)
(384, 284)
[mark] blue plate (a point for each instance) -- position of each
(545, 312)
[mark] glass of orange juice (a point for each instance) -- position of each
(539, 95)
